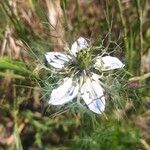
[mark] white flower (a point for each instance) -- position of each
(83, 81)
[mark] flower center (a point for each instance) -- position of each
(83, 58)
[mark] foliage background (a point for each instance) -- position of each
(29, 28)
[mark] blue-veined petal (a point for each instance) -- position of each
(92, 94)
(56, 59)
(81, 43)
(65, 92)
(108, 63)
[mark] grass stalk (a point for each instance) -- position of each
(17, 140)
(140, 18)
(125, 31)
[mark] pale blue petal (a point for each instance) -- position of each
(67, 91)
(92, 94)
(56, 59)
(108, 63)
(81, 43)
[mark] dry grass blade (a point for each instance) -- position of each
(55, 18)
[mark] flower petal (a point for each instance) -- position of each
(92, 94)
(108, 63)
(81, 43)
(64, 93)
(95, 76)
(56, 59)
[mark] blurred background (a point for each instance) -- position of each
(28, 29)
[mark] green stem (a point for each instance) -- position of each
(124, 32)
(140, 18)
(17, 140)
(143, 77)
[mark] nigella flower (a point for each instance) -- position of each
(81, 82)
